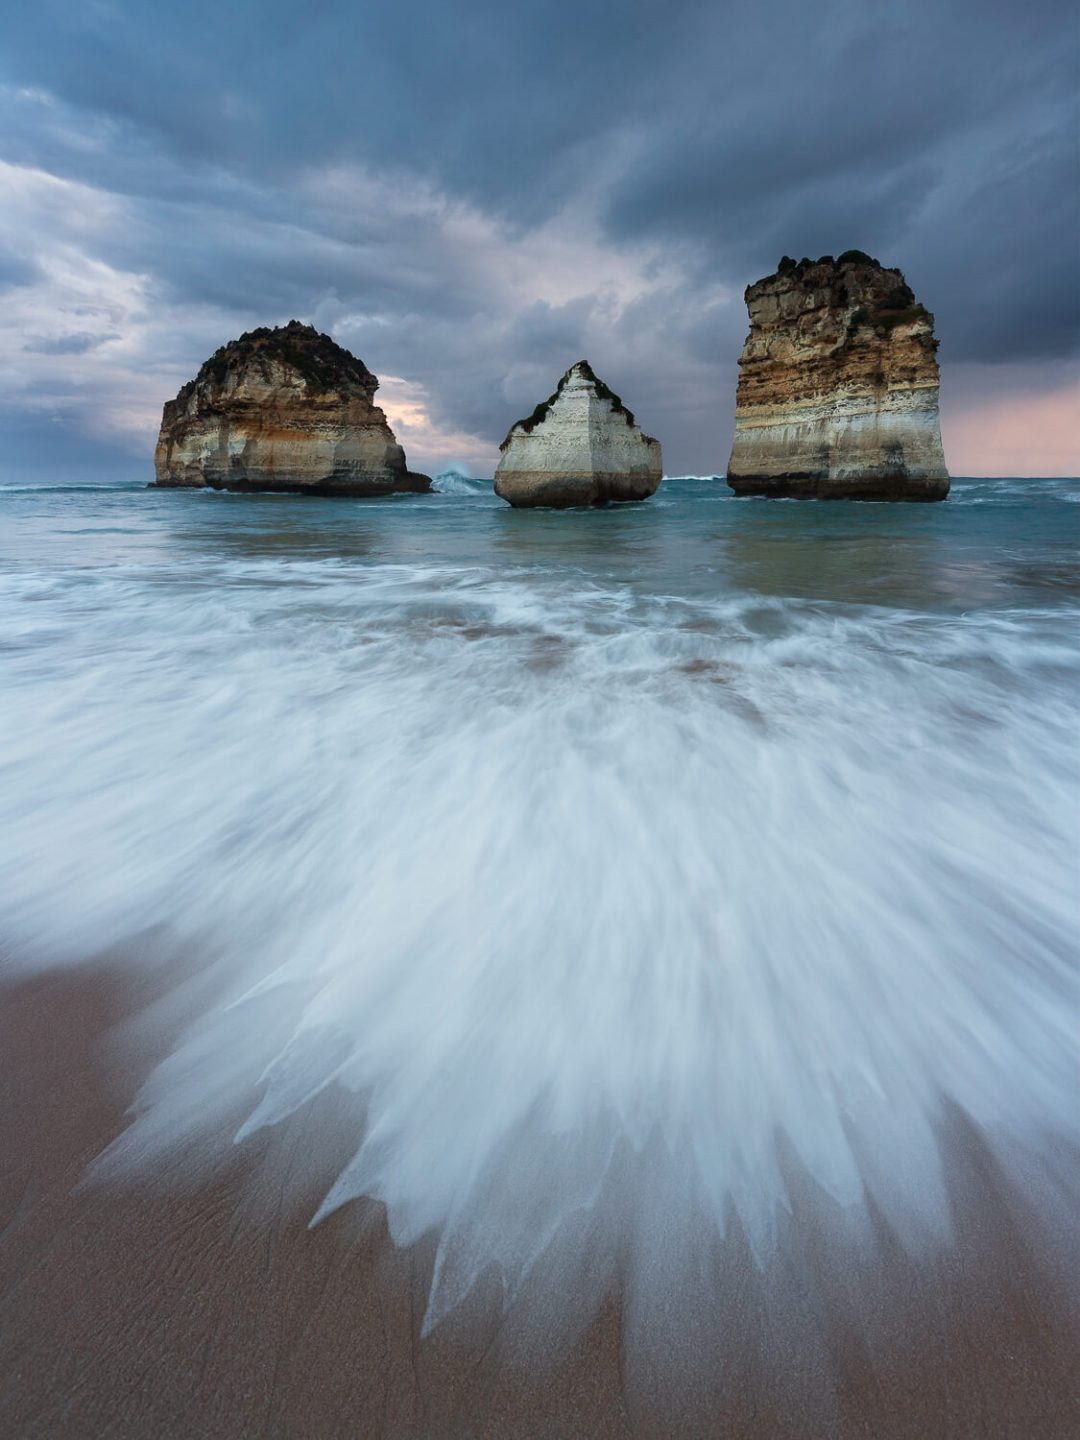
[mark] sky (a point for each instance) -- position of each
(472, 196)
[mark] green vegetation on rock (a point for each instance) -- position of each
(857, 257)
(320, 362)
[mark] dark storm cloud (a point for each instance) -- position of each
(941, 138)
(377, 168)
(491, 98)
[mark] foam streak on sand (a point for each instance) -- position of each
(615, 909)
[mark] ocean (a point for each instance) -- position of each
(621, 864)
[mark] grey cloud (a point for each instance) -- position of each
(73, 344)
(53, 448)
(16, 270)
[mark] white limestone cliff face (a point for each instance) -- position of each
(580, 447)
(282, 409)
(838, 387)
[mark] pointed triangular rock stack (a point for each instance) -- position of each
(580, 447)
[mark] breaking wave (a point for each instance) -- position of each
(89, 489)
(456, 482)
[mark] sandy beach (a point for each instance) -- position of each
(161, 1310)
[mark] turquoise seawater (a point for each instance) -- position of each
(994, 543)
(678, 830)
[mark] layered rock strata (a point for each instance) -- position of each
(282, 409)
(581, 446)
(838, 387)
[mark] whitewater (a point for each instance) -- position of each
(615, 869)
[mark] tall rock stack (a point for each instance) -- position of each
(282, 409)
(581, 446)
(838, 387)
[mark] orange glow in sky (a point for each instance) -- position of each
(1021, 435)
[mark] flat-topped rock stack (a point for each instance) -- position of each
(582, 446)
(838, 387)
(282, 409)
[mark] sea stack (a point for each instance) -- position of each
(282, 409)
(838, 387)
(581, 446)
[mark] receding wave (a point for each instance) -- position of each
(599, 904)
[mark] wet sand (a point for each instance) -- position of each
(171, 1309)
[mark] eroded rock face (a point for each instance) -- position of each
(282, 409)
(580, 447)
(838, 387)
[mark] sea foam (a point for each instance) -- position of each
(608, 908)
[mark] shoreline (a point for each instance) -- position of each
(212, 1309)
